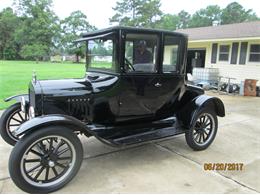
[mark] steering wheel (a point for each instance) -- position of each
(129, 64)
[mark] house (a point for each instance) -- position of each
(233, 48)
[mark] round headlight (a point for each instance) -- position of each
(23, 104)
(31, 112)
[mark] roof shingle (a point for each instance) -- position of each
(238, 30)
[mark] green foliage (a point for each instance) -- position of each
(101, 50)
(9, 22)
(34, 51)
(205, 17)
(37, 29)
(168, 22)
(34, 32)
(235, 13)
(71, 29)
(173, 22)
(184, 18)
(138, 13)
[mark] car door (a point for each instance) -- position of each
(145, 89)
(172, 74)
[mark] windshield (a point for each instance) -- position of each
(101, 54)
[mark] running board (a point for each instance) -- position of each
(136, 133)
(148, 136)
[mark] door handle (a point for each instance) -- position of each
(157, 84)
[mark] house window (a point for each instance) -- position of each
(254, 55)
(223, 52)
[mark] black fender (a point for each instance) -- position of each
(52, 119)
(18, 98)
(190, 109)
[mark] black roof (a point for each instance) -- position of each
(118, 28)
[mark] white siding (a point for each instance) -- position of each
(249, 70)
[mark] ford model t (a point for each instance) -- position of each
(134, 91)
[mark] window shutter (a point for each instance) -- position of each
(214, 53)
(243, 52)
(234, 53)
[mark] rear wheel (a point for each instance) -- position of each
(45, 160)
(10, 120)
(203, 130)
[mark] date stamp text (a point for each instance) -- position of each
(223, 166)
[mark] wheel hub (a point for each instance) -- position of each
(49, 160)
(51, 163)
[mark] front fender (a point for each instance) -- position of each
(53, 119)
(189, 110)
(18, 98)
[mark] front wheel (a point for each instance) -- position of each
(10, 120)
(45, 160)
(203, 130)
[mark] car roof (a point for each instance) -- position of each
(126, 28)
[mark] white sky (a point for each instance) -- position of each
(98, 12)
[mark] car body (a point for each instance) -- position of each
(134, 90)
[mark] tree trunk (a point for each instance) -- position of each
(77, 58)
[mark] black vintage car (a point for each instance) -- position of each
(134, 91)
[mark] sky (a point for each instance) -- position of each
(98, 12)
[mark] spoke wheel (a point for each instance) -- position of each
(45, 160)
(14, 121)
(48, 160)
(203, 130)
(10, 120)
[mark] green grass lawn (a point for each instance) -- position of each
(16, 75)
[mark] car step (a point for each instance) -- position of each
(147, 136)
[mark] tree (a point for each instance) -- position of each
(184, 18)
(38, 27)
(72, 27)
(138, 13)
(205, 17)
(235, 13)
(149, 13)
(168, 22)
(34, 51)
(9, 22)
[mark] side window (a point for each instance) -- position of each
(170, 57)
(223, 52)
(101, 54)
(254, 55)
(140, 53)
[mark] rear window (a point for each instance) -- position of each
(171, 51)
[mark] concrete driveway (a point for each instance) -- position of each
(170, 166)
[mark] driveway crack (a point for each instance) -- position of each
(2, 188)
(198, 163)
(4, 178)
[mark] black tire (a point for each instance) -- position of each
(203, 130)
(48, 143)
(9, 116)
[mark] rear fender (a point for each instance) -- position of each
(53, 119)
(18, 98)
(187, 114)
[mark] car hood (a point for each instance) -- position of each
(92, 83)
(65, 87)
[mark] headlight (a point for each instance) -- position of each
(31, 112)
(23, 104)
